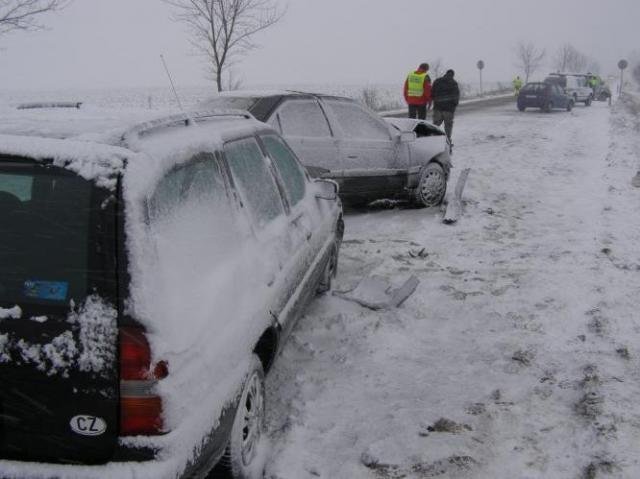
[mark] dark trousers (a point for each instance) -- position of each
(418, 111)
(445, 117)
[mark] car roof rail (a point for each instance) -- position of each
(49, 104)
(181, 119)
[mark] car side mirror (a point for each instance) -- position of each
(326, 189)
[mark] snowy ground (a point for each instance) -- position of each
(519, 354)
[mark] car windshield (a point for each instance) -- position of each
(54, 236)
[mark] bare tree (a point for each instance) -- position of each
(529, 58)
(24, 14)
(568, 58)
(223, 30)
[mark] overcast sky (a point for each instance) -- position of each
(117, 43)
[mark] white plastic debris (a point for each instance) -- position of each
(377, 293)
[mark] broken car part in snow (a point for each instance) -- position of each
(377, 293)
(454, 207)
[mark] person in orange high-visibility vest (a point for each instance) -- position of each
(417, 92)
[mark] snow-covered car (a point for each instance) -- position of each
(150, 276)
(574, 84)
(339, 138)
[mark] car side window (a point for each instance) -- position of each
(356, 122)
(199, 179)
(253, 179)
(288, 167)
(302, 118)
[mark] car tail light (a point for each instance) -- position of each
(140, 406)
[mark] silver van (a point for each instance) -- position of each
(574, 84)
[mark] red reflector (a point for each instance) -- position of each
(135, 354)
(140, 416)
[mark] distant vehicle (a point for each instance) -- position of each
(601, 92)
(338, 138)
(150, 276)
(545, 96)
(574, 84)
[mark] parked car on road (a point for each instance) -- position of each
(545, 96)
(338, 138)
(150, 276)
(574, 84)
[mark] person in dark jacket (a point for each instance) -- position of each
(417, 91)
(446, 96)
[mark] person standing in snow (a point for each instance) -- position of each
(446, 96)
(417, 92)
(517, 85)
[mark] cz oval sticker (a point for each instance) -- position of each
(88, 425)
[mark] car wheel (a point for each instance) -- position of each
(329, 272)
(570, 105)
(522, 107)
(432, 186)
(243, 453)
(587, 102)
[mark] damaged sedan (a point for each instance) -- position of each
(370, 157)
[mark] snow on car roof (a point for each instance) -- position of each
(156, 144)
(69, 122)
(93, 161)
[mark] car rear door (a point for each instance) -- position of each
(304, 125)
(58, 316)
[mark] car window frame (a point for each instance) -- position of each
(274, 119)
(334, 117)
(286, 208)
(276, 172)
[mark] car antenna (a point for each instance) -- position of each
(190, 121)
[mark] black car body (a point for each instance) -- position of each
(545, 96)
(147, 282)
(370, 157)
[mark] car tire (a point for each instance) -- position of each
(244, 458)
(329, 272)
(522, 107)
(587, 102)
(570, 105)
(548, 106)
(432, 186)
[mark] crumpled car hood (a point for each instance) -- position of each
(410, 124)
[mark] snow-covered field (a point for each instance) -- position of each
(519, 354)
(385, 96)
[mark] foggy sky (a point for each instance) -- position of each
(117, 43)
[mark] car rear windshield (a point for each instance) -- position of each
(57, 236)
(234, 103)
(534, 88)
